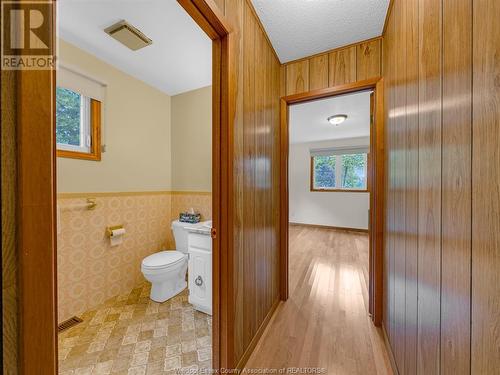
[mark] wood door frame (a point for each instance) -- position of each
(375, 178)
(209, 17)
(36, 157)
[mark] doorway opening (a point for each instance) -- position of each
(332, 188)
(37, 337)
(134, 189)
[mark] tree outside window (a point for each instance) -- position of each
(339, 172)
(68, 117)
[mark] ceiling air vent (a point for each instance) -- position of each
(128, 35)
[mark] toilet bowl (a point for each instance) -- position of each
(166, 270)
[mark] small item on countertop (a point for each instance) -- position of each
(190, 217)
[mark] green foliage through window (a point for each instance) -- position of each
(324, 172)
(68, 121)
(353, 171)
(340, 172)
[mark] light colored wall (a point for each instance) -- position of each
(192, 140)
(136, 129)
(338, 209)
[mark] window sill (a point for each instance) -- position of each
(95, 156)
(339, 191)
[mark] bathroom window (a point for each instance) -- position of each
(339, 170)
(78, 115)
(78, 122)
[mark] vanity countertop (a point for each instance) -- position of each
(204, 227)
(200, 230)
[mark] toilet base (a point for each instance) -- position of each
(161, 292)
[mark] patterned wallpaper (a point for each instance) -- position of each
(201, 202)
(90, 271)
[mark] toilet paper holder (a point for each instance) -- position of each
(109, 230)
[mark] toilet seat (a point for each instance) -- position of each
(163, 259)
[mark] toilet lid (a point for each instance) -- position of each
(162, 259)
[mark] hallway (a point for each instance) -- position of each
(325, 323)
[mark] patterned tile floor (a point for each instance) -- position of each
(131, 334)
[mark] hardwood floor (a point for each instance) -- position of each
(325, 322)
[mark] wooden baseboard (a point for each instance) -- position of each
(345, 229)
(246, 355)
(389, 351)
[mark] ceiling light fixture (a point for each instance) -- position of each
(336, 119)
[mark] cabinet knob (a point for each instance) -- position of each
(198, 281)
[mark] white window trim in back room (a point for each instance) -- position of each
(90, 87)
(338, 151)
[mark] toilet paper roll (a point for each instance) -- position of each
(117, 232)
(116, 237)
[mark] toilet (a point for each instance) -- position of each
(166, 270)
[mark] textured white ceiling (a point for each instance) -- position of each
(308, 120)
(300, 28)
(180, 58)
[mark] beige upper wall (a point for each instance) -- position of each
(192, 140)
(136, 129)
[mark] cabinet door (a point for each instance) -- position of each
(200, 279)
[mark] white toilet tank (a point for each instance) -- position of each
(181, 234)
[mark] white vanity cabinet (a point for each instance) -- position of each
(200, 270)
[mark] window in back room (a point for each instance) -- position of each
(338, 169)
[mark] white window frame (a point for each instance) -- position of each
(338, 172)
(85, 128)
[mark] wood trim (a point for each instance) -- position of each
(217, 245)
(372, 200)
(284, 150)
(207, 15)
(378, 208)
(339, 191)
(332, 50)
(36, 216)
(311, 174)
(390, 354)
(331, 91)
(175, 192)
(376, 205)
(342, 229)
(95, 149)
(128, 193)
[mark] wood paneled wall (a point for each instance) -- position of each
(442, 235)
(348, 64)
(256, 163)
